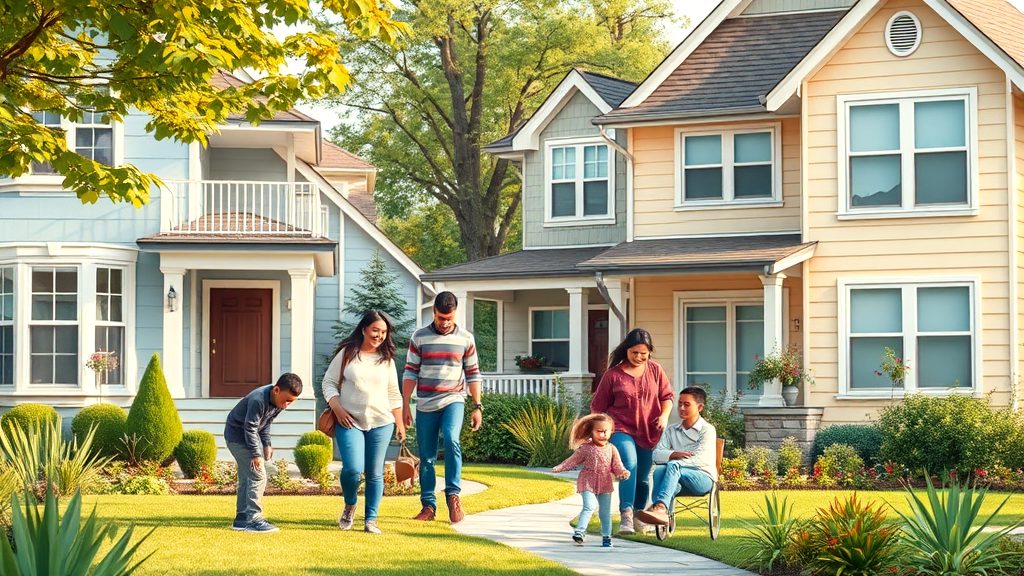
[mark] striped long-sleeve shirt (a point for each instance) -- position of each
(442, 366)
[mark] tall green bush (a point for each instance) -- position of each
(28, 415)
(197, 449)
(865, 439)
(544, 432)
(492, 442)
(955, 432)
(109, 422)
(153, 417)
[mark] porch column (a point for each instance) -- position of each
(172, 357)
(773, 327)
(577, 331)
(616, 329)
(463, 312)
(302, 328)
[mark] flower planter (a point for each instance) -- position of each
(789, 394)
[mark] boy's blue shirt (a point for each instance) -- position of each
(249, 421)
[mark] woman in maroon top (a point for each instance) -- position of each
(636, 393)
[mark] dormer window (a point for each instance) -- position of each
(579, 182)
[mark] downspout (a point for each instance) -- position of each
(603, 291)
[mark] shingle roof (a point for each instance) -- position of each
(521, 264)
(334, 156)
(222, 79)
(1002, 22)
(734, 68)
(711, 253)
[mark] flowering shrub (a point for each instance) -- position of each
(893, 367)
(530, 362)
(102, 361)
(784, 366)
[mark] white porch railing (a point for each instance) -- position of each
(520, 384)
(242, 207)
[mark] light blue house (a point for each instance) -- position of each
(234, 273)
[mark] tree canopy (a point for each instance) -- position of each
(73, 58)
(470, 73)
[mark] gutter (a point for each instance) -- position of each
(603, 291)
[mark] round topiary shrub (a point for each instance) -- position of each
(865, 439)
(26, 416)
(153, 417)
(108, 420)
(315, 438)
(196, 449)
(312, 460)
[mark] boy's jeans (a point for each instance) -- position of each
(603, 503)
(675, 478)
(363, 452)
(249, 503)
(634, 491)
(447, 422)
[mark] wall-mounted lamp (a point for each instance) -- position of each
(796, 324)
(172, 300)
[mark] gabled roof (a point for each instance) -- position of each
(733, 69)
(335, 156)
(222, 79)
(605, 92)
(998, 20)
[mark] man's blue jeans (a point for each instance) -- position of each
(603, 503)
(634, 492)
(363, 452)
(448, 423)
(676, 478)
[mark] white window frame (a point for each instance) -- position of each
(9, 269)
(905, 101)
(529, 334)
(53, 322)
(728, 199)
(98, 323)
(730, 299)
(85, 258)
(909, 288)
(578, 219)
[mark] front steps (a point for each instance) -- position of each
(210, 414)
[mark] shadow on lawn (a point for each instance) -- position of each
(425, 567)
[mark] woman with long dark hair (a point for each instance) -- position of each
(636, 393)
(361, 387)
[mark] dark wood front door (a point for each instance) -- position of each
(597, 344)
(240, 346)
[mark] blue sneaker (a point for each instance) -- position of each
(606, 541)
(239, 525)
(261, 526)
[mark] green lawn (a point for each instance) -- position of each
(691, 534)
(193, 535)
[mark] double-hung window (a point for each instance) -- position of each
(549, 335)
(905, 154)
(579, 182)
(94, 137)
(735, 167)
(53, 328)
(720, 343)
(929, 326)
(53, 121)
(110, 318)
(6, 325)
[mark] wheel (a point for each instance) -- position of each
(661, 532)
(714, 513)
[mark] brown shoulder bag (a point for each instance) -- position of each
(327, 420)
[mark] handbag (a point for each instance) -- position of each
(407, 466)
(327, 420)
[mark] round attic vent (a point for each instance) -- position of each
(903, 34)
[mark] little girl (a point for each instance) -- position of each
(600, 461)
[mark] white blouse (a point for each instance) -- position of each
(369, 391)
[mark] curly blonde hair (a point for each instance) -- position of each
(583, 428)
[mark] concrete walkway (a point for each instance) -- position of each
(544, 530)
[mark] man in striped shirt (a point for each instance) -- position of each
(440, 367)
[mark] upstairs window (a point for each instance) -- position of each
(727, 168)
(49, 120)
(905, 155)
(579, 182)
(94, 138)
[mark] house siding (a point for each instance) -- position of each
(919, 248)
(516, 321)
(760, 7)
(654, 188)
(251, 164)
(573, 120)
(1018, 196)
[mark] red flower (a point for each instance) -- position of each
(981, 473)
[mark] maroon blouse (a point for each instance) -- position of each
(634, 403)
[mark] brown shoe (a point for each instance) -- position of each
(455, 513)
(656, 514)
(426, 514)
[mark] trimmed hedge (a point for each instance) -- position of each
(196, 449)
(28, 415)
(865, 439)
(315, 438)
(109, 421)
(492, 442)
(153, 416)
(312, 460)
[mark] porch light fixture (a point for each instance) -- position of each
(172, 300)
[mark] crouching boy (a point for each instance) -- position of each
(687, 454)
(247, 432)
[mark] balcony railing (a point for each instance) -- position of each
(212, 207)
(521, 384)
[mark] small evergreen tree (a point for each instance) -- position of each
(378, 290)
(153, 417)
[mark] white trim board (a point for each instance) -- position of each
(528, 137)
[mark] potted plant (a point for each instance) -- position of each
(531, 363)
(785, 368)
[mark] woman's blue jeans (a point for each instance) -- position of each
(634, 492)
(603, 503)
(363, 452)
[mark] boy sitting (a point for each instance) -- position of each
(247, 432)
(687, 450)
